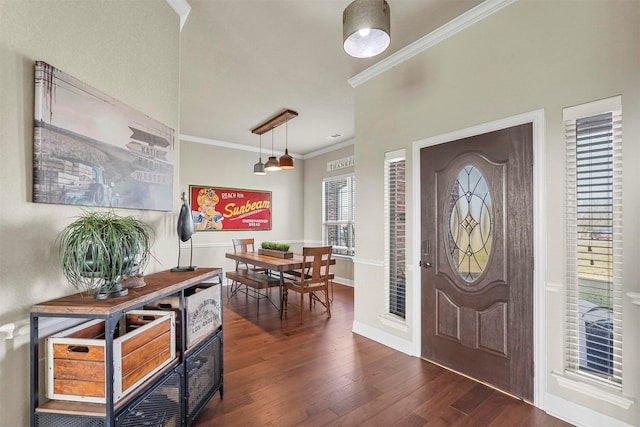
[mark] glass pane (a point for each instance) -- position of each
(396, 186)
(341, 237)
(470, 224)
(338, 198)
(594, 197)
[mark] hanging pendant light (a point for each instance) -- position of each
(258, 168)
(366, 28)
(286, 161)
(272, 164)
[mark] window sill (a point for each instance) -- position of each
(575, 383)
(341, 256)
(635, 297)
(394, 322)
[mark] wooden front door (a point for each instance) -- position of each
(477, 257)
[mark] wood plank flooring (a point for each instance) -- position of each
(281, 373)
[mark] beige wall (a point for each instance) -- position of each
(531, 55)
(204, 164)
(127, 49)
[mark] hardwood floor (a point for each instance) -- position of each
(279, 373)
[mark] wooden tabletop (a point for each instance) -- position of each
(157, 285)
(269, 262)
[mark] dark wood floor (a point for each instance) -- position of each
(279, 373)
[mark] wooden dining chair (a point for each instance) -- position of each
(248, 279)
(312, 279)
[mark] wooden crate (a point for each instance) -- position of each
(143, 343)
(202, 311)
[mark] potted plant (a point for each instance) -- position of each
(100, 250)
(278, 250)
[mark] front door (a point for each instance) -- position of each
(477, 257)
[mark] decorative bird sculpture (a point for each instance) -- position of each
(185, 221)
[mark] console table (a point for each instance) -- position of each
(172, 396)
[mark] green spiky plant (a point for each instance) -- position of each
(100, 249)
(283, 247)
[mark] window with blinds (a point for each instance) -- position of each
(338, 216)
(395, 231)
(593, 324)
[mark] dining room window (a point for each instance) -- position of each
(395, 231)
(338, 194)
(593, 326)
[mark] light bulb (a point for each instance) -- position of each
(364, 32)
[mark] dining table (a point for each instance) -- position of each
(273, 264)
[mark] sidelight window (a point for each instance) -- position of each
(338, 195)
(395, 232)
(593, 324)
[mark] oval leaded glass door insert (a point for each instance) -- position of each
(470, 224)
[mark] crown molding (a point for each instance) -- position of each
(218, 143)
(460, 23)
(182, 8)
(234, 146)
(231, 145)
(329, 149)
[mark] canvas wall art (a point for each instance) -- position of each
(92, 150)
(219, 208)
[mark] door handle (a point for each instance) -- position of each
(425, 264)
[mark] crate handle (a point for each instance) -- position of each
(165, 306)
(78, 349)
(146, 318)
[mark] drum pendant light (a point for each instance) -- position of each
(366, 28)
(272, 164)
(258, 168)
(286, 161)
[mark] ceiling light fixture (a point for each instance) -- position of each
(258, 168)
(286, 161)
(366, 28)
(272, 163)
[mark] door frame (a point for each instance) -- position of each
(539, 241)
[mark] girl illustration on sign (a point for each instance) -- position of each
(206, 217)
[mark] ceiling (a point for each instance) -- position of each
(245, 61)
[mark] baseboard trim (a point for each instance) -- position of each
(382, 337)
(578, 415)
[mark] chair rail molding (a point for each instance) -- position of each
(365, 261)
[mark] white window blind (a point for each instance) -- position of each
(593, 326)
(395, 231)
(338, 216)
